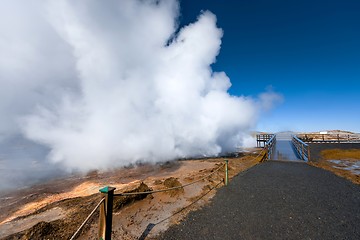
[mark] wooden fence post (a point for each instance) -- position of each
(105, 219)
(226, 172)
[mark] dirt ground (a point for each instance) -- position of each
(343, 162)
(54, 210)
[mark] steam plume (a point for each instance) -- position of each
(111, 83)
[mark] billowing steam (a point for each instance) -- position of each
(111, 83)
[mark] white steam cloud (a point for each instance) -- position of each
(112, 83)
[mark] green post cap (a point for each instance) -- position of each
(106, 189)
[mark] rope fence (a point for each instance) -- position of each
(172, 188)
(105, 218)
(152, 225)
(87, 219)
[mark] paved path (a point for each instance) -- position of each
(277, 200)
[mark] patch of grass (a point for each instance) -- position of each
(340, 154)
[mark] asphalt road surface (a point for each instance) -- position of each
(277, 200)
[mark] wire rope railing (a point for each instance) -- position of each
(172, 188)
(86, 220)
(105, 218)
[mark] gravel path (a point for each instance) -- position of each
(277, 200)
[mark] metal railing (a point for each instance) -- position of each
(329, 138)
(262, 139)
(301, 148)
(269, 145)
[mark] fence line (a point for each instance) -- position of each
(87, 219)
(329, 138)
(152, 225)
(192, 203)
(109, 192)
(169, 189)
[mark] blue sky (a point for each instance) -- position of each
(308, 51)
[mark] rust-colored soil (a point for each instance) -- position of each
(56, 209)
